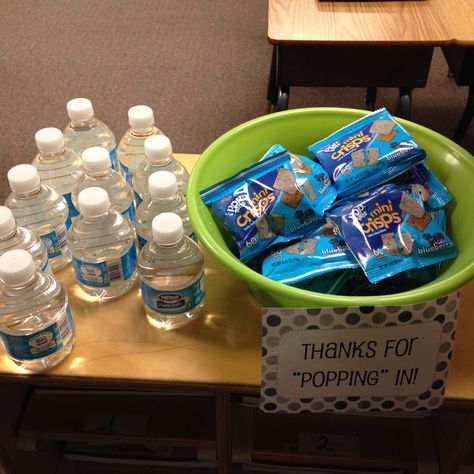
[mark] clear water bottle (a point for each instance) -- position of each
(85, 130)
(171, 269)
(103, 249)
(131, 149)
(58, 167)
(41, 209)
(163, 197)
(99, 173)
(36, 327)
(158, 157)
(13, 237)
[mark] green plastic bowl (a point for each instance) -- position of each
(296, 130)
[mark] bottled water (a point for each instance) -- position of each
(57, 166)
(131, 149)
(13, 237)
(103, 249)
(171, 274)
(41, 209)
(36, 327)
(99, 173)
(84, 130)
(158, 157)
(163, 197)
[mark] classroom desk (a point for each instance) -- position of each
(359, 44)
(459, 23)
(116, 349)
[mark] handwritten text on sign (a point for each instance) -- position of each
(374, 362)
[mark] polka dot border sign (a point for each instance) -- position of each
(279, 321)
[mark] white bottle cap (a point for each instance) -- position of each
(157, 148)
(93, 202)
(49, 140)
(162, 184)
(167, 228)
(140, 117)
(7, 222)
(80, 109)
(23, 179)
(16, 267)
(96, 160)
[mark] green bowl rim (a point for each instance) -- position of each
(424, 293)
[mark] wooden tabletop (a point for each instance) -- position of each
(458, 20)
(116, 346)
(382, 23)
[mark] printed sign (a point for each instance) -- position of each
(357, 358)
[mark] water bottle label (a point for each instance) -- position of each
(138, 199)
(39, 344)
(73, 212)
(56, 241)
(141, 241)
(114, 159)
(103, 274)
(127, 173)
(176, 301)
(129, 212)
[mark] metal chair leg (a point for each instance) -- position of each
(466, 118)
(404, 104)
(283, 98)
(370, 98)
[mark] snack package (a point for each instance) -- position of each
(422, 181)
(264, 204)
(367, 152)
(390, 232)
(320, 252)
(310, 175)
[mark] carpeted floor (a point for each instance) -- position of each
(202, 66)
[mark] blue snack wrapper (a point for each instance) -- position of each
(318, 253)
(390, 232)
(309, 174)
(265, 204)
(367, 153)
(422, 181)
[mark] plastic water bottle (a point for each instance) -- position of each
(57, 166)
(163, 197)
(41, 209)
(103, 249)
(171, 274)
(99, 173)
(36, 327)
(14, 237)
(131, 149)
(158, 157)
(84, 130)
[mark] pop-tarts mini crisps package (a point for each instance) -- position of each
(390, 232)
(421, 180)
(367, 152)
(310, 175)
(264, 204)
(318, 253)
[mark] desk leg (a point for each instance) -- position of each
(224, 432)
(272, 80)
(404, 104)
(370, 98)
(466, 117)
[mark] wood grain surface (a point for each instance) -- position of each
(458, 20)
(390, 22)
